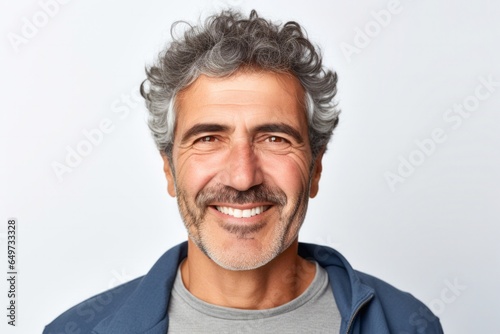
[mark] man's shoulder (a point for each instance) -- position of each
(83, 317)
(130, 307)
(403, 311)
(379, 303)
(387, 292)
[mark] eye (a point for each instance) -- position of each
(206, 139)
(276, 139)
(275, 144)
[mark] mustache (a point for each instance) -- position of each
(226, 194)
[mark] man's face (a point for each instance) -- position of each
(242, 166)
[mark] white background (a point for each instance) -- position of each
(110, 218)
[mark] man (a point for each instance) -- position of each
(242, 110)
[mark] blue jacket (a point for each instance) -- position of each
(366, 304)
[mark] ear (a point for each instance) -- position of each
(169, 175)
(316, 174)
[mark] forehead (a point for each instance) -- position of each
(278, 96)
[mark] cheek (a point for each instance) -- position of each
(194, 172)
(290, 172)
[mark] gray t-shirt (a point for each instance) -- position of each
(314, 311)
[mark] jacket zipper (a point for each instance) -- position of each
(356, 313)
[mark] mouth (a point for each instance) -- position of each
(242, 213)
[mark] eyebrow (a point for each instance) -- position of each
(198, 129)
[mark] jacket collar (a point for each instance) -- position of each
(146, 309)
(350, 294)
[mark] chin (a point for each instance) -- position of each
(242, 264)
(247, 254)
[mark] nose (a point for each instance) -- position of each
(243, 169)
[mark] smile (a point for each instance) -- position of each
(246, 213)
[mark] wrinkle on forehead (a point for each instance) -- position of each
(250, 90)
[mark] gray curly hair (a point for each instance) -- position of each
(225, 43)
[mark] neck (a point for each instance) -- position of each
(272, 285)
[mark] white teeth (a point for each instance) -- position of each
(237, 213)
